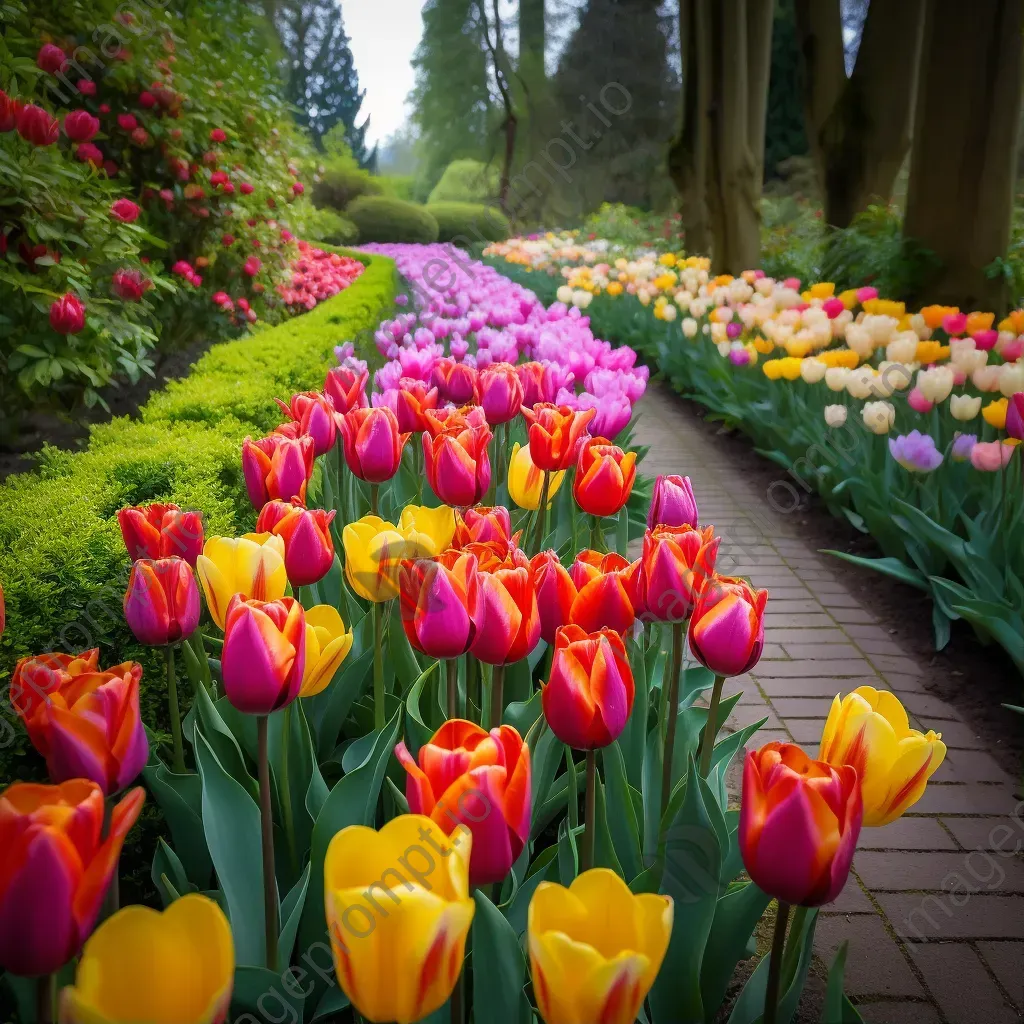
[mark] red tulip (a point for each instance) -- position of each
(531, 376)
(677, 561)
(456, 382)
(457, 464)
(87, 87)
(373, 443)
(127, 122)
(604, 477)
(81, 126)
(37, 126)
(412, 399)
(438, 596)
(346, 389)
(128, 285)
(125, 211)
(87, 153)
(218, 135)
(277, 467)
(727, 626)
(607, 591)
(161, 604)
(161, 531)
(589, 695)
(556, 434)
(799, 824)
(483, 524)
(67, 315)
(555, 593)
(50, 58)
(506, 614)
(308, 547)
(314, 414)
(9, 108)
(501, 392)
(263, 658)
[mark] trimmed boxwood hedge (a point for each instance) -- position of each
(474, 221)
(387, 219)
(62, 562)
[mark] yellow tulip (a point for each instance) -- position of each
(995, 413)
(869, 730)
(398, 912)
(614, 289)
(374, 550)
(525, 480)
(822, 290)
(595, 948)
(252, 565)
(436, 523)
(144, 967)
(327, 646)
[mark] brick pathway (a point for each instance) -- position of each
(934, 910)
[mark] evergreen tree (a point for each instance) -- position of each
(320, 73)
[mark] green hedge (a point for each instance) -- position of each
(385, 219)
(475, 221)
(62, 562)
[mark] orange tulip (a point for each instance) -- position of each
(677, 560)
(556, 433)
(277, 467)
(555, 593)
(308, 547)
(604, 477)
(437, 599)
(483, 524)
(607, 591)
(506, 614)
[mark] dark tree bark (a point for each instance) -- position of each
(962, 172)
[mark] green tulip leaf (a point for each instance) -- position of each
(625, 831)
(291, 914)
(838, 1009)
(418, 730)
(265, 995)
(331, 707)
(181, 799)
(499, 969)
(167, 874)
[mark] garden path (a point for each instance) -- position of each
(934, 909)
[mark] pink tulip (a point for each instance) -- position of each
(314, 414)
(277, 467)
(990, 456)
(373, 443)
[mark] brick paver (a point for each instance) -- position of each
(934, 910)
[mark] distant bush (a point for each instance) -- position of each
(473, 221)
(384, 219)
(465, 181)
(400, 186)
(341, 183)
(329, 226)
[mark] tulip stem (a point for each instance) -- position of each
(590, 813)
(267, 823)
(286, 793)
(453, 688)
(456, 1000)
(473, 698)
(771, 995)
(707, 743)
(379, 717)
(596, 534)
(175, 712)
(542, 514)
(671, 685)
(46, 998)
(374, 498)
(497, 695)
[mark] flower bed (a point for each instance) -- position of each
(906, 423)
(366, 713)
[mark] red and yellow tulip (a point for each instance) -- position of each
(161, 531)
(604, 477)
(676, 563)
(556, 433)
(438, 596)
(277, 467)
(505, 612)
(346, 389)
(607, 591)
(555, 593)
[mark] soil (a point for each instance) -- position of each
(123, 399)
(976, 679)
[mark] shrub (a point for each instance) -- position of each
(401, 186)
(62, 561)
(340, 184)
(334, 228)
(473, 221)
(383, 219)
(465, 181)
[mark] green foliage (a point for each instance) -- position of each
(632, 228)
(400, 186)
(466, 181)
(784, 124)
(383, 219)
(62, 561)
(334, 228)
(341, 182)
(472, 221)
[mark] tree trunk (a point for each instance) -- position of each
(960, 199)
(859, 128)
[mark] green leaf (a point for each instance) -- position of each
(625, 831)
(403, 657)
(260, 992)
(231, 819)
(838, 1009)
(167, 874)
(499, 969)
(419, 730)
(181, 799)
(221, 740)
(892, 567)
(333, 1002)
(333, 704)
(291, 914)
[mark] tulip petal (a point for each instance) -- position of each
(917, 759)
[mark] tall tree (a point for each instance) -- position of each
(859, 128)
(532, 34)
(784, 130)
(963, 162)
(501, 72)
(321, 77)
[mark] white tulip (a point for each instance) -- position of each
(897, 376)
(879, 416)
(880, 327)
(812, 370)
(986, 378)
(835, 378)
(860, 383)
(690, 327)
(669, 312)
(1011, 378)
(835, 415)
(724, 348)
(936, 383)
(582, 298)
(859, 339)
(964, 407)
(902, 348)
(564, 295)
(919, 327)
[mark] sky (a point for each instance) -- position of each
(383, 35)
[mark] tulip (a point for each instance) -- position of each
(506, 615)
(277, 467)
(314, 414)
(964, 407)
(595, 948)
(869, 730)
(555, 593)
(83, 720)
(252, 566)
(799, 823)
(50, 58)
(501, 393)
(604, 477)
(374, 552)
(56, 869)
(263, 659)
(607, 588)
(161, 604)
(128, 285)
(556, 433)
(143, 965)
(676, 562)
(422, 926)
(879, 416)
(346, 388)
(672, 503)
(727, 625)
(1015, 416)
(482, 524)
(36, 125)
(996, 413)
(125, 211)
(526, 481)
(916, 452)
(835, 415)
(457, 463)
(589, 695)
(327, 646)
(67, 315)
(161, 531)
(434, 527)
(308, 547)
(991, 456)
(373, 444)
(467, 417)
(437, 598)
(456, 382)
(410, 401)
(81, 126)
(466, 776)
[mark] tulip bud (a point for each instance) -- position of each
(456, 382)
(672, 503)
(161, 604)
(501, 393)
(526, 481)
(604, 477)
(727, 625)
(263, 658)
(252, 565)
(835, 415)
(483, 525)
(799, 823)
(608, 591)
(505, 613)
(676, 563)
(1014, 415)
(374, 552)
(457, 464)
(308, 547)
(81, 126)
(373, 444)
(277, 467)
(555, 593)
(67, 315)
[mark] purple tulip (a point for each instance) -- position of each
(915, 452)
(672, 503)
